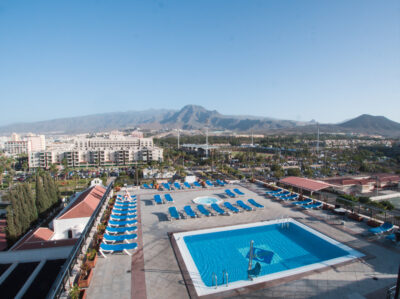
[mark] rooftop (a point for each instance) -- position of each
(155, 263)
(85, 204)
(304, 183)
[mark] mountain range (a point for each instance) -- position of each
(192, 117)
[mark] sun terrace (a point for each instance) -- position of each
(172, 243)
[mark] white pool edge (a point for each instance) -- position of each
(202, 289)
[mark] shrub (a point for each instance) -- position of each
(74, 292)
(91, 254)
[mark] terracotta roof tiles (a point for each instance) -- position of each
(85, 204)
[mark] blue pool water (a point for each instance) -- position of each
(277, 249)
(205, 200)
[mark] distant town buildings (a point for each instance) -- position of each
(103, 149)
(111, 150)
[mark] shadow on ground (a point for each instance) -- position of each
(161, 216)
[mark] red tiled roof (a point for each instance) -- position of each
(41, 234)
(85, 204)
(306, 184)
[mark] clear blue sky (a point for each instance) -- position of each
(301, 60)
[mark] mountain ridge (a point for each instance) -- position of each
(194, 117)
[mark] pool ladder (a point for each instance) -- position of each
(284, 224)
(215, 279)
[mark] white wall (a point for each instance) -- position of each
(62, 226)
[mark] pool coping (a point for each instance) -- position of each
(266, 281)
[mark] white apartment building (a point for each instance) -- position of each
(36, 143)
(86, 152)
(30, 143)
(16, 147)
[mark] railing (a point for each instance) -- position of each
(225, 275)
(214, 278)
(391, 292)
(58, 286)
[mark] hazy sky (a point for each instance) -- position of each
(301, 60)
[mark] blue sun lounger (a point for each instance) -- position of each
(385, 227)
(187, 185)
(197, 184)
(124, 209)
(122, 223)
(125, 202)
(174, 213)
(177, 185)
(218, 209)
(281, 194)
(209, 183)
(158, 200)
(244, 206)
(188, 210)
(312, 206)
(394, 237)
(274, 192)
(120, 230)
(146, 186)
(203, 210)
(230, 193)
(122, 201)
(122, 217)
(125, 213)
(290, 197)
(221, 183)
(167, 186)
(237, 191)
(303, 202)
(110, 248)
(118, 238)
(229, 206)
(254, 203)
(168, 198)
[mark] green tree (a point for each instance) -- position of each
(41, 198)
(30, 200)
(11, 231)
(294, 172)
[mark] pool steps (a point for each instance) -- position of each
(215, 278)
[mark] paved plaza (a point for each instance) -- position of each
(364, 278)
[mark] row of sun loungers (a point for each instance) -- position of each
(178, 186)
(285, 195)
(215, 209)
(308, 204)
(119, 234)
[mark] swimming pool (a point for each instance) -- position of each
(206, 200)
(281, 247)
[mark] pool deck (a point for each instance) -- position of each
(155, 273)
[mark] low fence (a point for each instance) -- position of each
(371, 211)
(58, 286)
